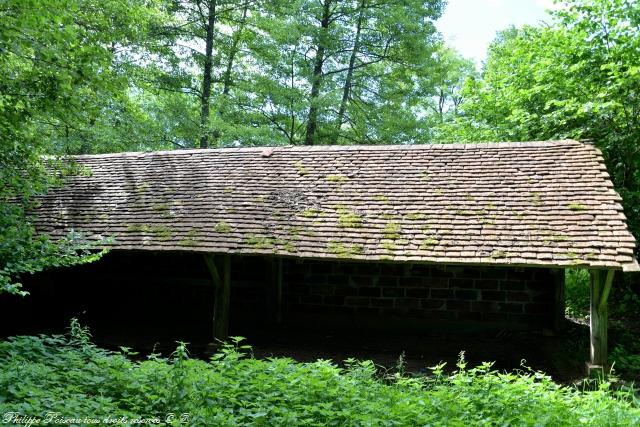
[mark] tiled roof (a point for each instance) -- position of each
(535, 203)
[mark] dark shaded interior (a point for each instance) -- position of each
(148, 301)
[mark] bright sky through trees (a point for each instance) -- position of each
(470, 25)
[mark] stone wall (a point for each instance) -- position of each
(507, 298)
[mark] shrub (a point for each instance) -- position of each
(71, 376)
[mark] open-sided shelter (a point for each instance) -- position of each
(478, 233)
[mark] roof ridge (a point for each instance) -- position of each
(361, 147)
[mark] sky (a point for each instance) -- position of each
(470, 25)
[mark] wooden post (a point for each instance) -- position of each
(600, 286)
(275, 289)
(222, 285)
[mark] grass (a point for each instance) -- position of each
(71, 376)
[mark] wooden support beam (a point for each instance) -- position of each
(600, 286)
(222, 291)
(275, 289)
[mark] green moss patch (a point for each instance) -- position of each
(392, 231)
(189, 239)
(260, 242)
(163, 232)
(310, 213)
(577, 207)
(343, 250)
(381, 198)
(498, 254)
(428, 244)
(222, 227)
(336, 179)
(349, 219)
(415, 216)
(301, 168)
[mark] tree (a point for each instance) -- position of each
(58, 75)
(576, 78)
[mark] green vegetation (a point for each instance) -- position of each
(88, 76)
(288, 246)
(535, 198)
(300, 168)
(428, 244)
(415, 216)
(381, 198)
(577, 293)
(62, 373)
(348, 219)
(344, 250)
(576, 207)
(163, 232)
(162, 207)
(222, 227)
(261, 242)
(338, 179)
(498, 254)
(390, 247)
(623, 304)
(311, 213)
(190, 239)
(392, 231)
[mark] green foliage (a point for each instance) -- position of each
(577, 297)
(61, 88)
(70, 375)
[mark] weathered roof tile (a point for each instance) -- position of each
(542, 203)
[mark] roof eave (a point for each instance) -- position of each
(632, 267)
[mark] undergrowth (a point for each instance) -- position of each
(624, 312)
(71, 376)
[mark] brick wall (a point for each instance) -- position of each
(506, 298)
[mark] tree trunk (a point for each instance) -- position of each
(346, 91)
(292, 103)
(206, 78)
(234, 50)
(312, 121)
